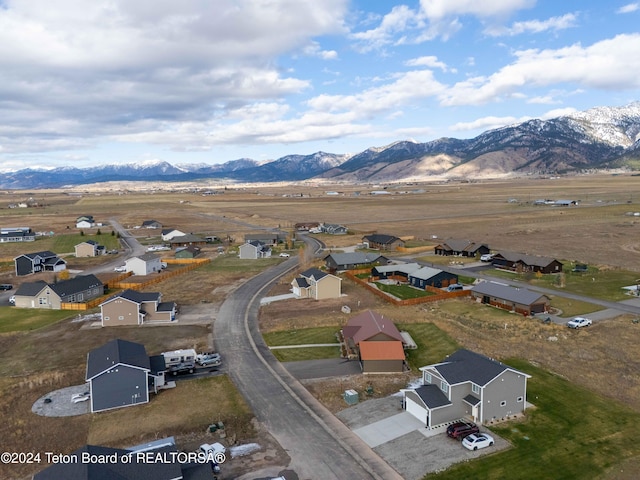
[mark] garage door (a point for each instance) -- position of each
(416, 410)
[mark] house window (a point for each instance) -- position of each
(42, 301)
(120, 317)
(444, 386)
(475, 388)
(427, 378)
(519, 399)
(503, 403)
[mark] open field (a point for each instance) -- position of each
(602, 361)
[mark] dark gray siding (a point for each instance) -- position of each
(121, 386)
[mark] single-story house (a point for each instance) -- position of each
(135, 308)
(120, 374)
(399, 271)
(41, 294)
(151, 224)
(316, 284)
(44, 261)
(432, 277)
(90, 248)
(254, 249)
(18, 234)
(519, 300)
(338, 262)
(85, 221)
(375, 341)
(379, 241)
(519, 262)
(144, 264)
(187, 240)
(333, 229)
(125, 466)
(463, 248)
(187, 252)
(467, 385)
(270, 239)
(169, 233)
(306, 226)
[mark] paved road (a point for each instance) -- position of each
(319, 445)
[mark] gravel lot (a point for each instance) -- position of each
(61, 404)
(413, 455)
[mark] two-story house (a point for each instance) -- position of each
(44, 261)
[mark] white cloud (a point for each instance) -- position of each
(397, 21)
(610, 64)
(427, 61)
(487, 123)
(314, 50)
(438, 9)
(535, 26)
(629, 8)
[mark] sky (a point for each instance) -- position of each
(85, 83)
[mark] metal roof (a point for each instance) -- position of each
(520, 296)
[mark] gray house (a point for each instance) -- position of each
(44, 261)
(519, 300)
(41, 294)
(120, 374)
(337, 262)
(467, 385)
(254, 249)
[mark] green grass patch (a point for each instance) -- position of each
(403, 292)
(231, 263)
(572, 433)
(306, 336)
(433, 344)
(310, 353)
(24, 319)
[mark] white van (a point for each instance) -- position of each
(454, 287)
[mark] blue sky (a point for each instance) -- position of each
(196, 81)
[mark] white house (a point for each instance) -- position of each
(170, 233)
(144, 264)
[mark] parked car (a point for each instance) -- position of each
(455, 287)
(201, 357)
(185, 367)
(460, 430)
(579, 322)
(487, 257)
(211, 362)
(122, 268)
(284, 255)
(477, 440)
(12, 299)
(6, 286)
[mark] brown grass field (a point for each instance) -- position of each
(499, 213)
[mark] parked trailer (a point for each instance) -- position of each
(177, 357)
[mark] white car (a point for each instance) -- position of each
(122, 268)
(477, 440)
(284, 255)
(579, 322)
(12, 299)
(487, 257)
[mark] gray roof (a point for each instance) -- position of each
(314, 273)
(425, 273)
(381, 238)
(116, 352)
(432, 396)
(43, 254)
(166, 306)
(520, 296)
(136, 297)
(301, 282)
(527, 259)
(189, 237)
(132, 469)
(407, 268)
(467, 366)
(354, 258)
(147, 257)
(29, 289)
(78, 284)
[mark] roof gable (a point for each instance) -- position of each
(377, 350)
(116, 352)
(369, 324)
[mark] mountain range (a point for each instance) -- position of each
(600, 138)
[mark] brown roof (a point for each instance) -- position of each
(370, 324)
(381, 350)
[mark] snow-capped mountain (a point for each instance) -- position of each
(598, 138)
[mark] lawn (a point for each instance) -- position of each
(403, 292)
(310, 353)
(433, 344)
(24, 319)
(306, 336)
(571, 433)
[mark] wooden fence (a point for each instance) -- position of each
(438, 294)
